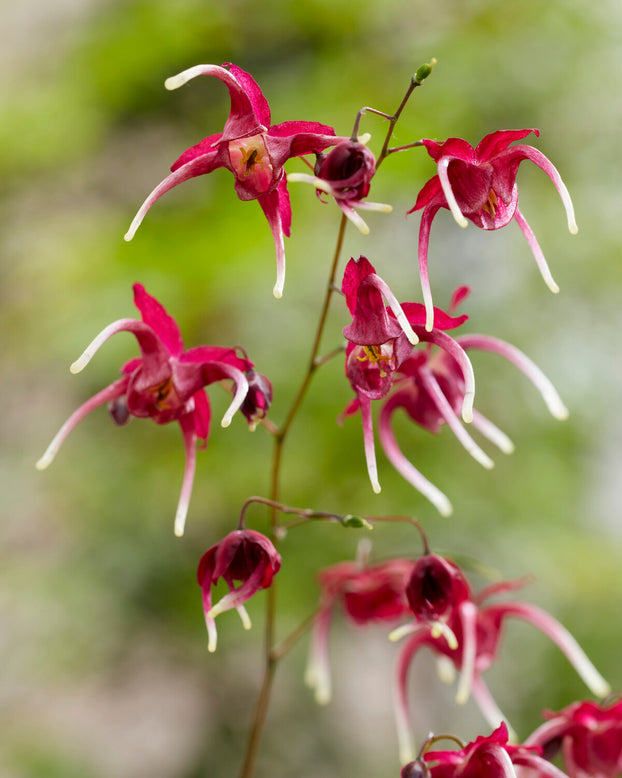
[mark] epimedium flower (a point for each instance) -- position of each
(245, 556)
(251, 148)
(479, 185)
(345, 173)
(589, 737)
(166, 383)
(368, 593)
(464, 632)
(488, 756)
(381, 338)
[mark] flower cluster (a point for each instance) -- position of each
(400, 355)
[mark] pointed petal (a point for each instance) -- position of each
(368, 439)
(524, 364)
(190, 447)
(536, 251)
(394, 305)
(405, 468)
(148, 342)
(562, 639)
(196, 167)
(249, 108)
(452, 203)
(453, 147)
(154, 315)
(424, 240)
(117, 389)
(456, 350)
(270, 205)
(497, 142)
(444, 408)
(538, 158)
(492, 433)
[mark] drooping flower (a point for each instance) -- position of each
(381, 339)
(480, 185)
(465, 633)
(252, 149)
(245, 556)
(589, 737)
(488, 756)
(433, 385)
(345, 173)
(369, 593)
(165, 384)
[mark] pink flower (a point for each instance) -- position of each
(433, 386)
(480, 185)
(465, 633)
(252, 149)
(165, 384)
(368, 593)
(345, 174)
(381, 339)
(589, 736)
(489, 756)
(243, 555)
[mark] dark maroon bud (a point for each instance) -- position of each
(118, 410)
(436, 587)
(349, 167)
(416, 769)
(258, 399)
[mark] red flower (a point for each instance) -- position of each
(464, 633)
(589, 736)
(489, 756)
(252, 149)
(480, 185)
(165, 384)
(243, 555)
(368, 593)
(345, 174)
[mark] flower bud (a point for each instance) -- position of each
(436, 587)
(349, 168)
(416, 769)
(258, 399)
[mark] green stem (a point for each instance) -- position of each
(271, 658)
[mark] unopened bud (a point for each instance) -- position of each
(416, 769)
(424, 71)
(356, 522)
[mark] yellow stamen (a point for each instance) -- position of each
(491, 203)
(374, 354)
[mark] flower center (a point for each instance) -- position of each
(374, 355)
(165, 396)
(251, 164)
(491, 204)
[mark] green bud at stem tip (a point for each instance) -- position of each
(355, 522)
(424, 71)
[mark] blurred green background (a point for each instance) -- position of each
(103, 645)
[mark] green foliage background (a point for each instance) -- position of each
(103, 645)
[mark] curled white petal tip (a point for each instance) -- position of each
(364, 138)
(226, 420)
(277, 292)
(180, 525)
(322, 696)
(467, 408)
(128, 236)
(572, 227)
(211, 645)
(560, 412)
(376, 487)
(44, 462)
(80, 363)
(244, 617)
(444, 507)
(399, 632)
(174, 82)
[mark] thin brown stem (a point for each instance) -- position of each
(263, 701)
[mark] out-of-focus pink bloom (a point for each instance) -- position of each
(589, 736)
(245, 556)
(165, 384)
(488, 756)
(464, 633)
(252, 149)
(345, 173)
(368, 594)
(480, 185)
